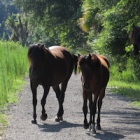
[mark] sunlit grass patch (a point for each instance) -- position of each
(17, 86)
(3, 124)
(129, 89)
(13, 66)
(136, 104)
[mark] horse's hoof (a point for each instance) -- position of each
(43, 117)
(98, 127)
(86, 126)
(58, 119)
(93, 131)
(34, 122)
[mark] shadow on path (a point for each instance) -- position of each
(57, 127)
(104, 135)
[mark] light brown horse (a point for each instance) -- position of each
(95, 76)
(50, 67)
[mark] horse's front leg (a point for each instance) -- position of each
(43, 102)
(91, 122)
(85, 110)
(93, 110)
(102, 94)
(34, 100)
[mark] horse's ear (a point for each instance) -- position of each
(95, 58)
(89, 57)
(79, 55)
(42, 46)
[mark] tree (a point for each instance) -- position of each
(105, 23)
(58, 18)
(19, 28)
(6, 9)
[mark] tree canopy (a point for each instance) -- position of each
(102, 26)
(58, 20)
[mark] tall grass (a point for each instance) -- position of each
(13, 66)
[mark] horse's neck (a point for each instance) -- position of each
(48, 54)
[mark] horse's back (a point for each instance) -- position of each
(56, 50)
(59, 51)
(63, 63)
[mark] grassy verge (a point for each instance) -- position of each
(125, 83)
(13, 67)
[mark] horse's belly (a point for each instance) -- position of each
(60, 75)
(58, 78)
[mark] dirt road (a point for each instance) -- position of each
(119, 120)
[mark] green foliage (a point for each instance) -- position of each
(19, 27)
(124, 71)
(13, 65)
(57, 20)
(123, 80)
(6, 9)
(108, 24)
(128, 89)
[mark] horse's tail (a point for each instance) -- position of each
(75, 60)
(28, 57)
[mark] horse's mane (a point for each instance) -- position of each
(95, 61)
(28, 54)
(75, 58)
(36, 48)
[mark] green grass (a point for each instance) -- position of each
(13, 67)
(125, 83)
(3, 124)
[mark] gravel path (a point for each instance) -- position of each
(119, 120)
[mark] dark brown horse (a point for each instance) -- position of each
(50, 67)
(95, 76)
(135, 39)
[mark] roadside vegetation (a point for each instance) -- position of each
(125, 81)
(13, 66)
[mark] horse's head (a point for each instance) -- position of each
(135, 39)
(36, 56)
(84, 62)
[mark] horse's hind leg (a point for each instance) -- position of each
(57, 91)
(34, 101)
(102, 94)
(92, 114)
(43, 102)
(61, 100)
